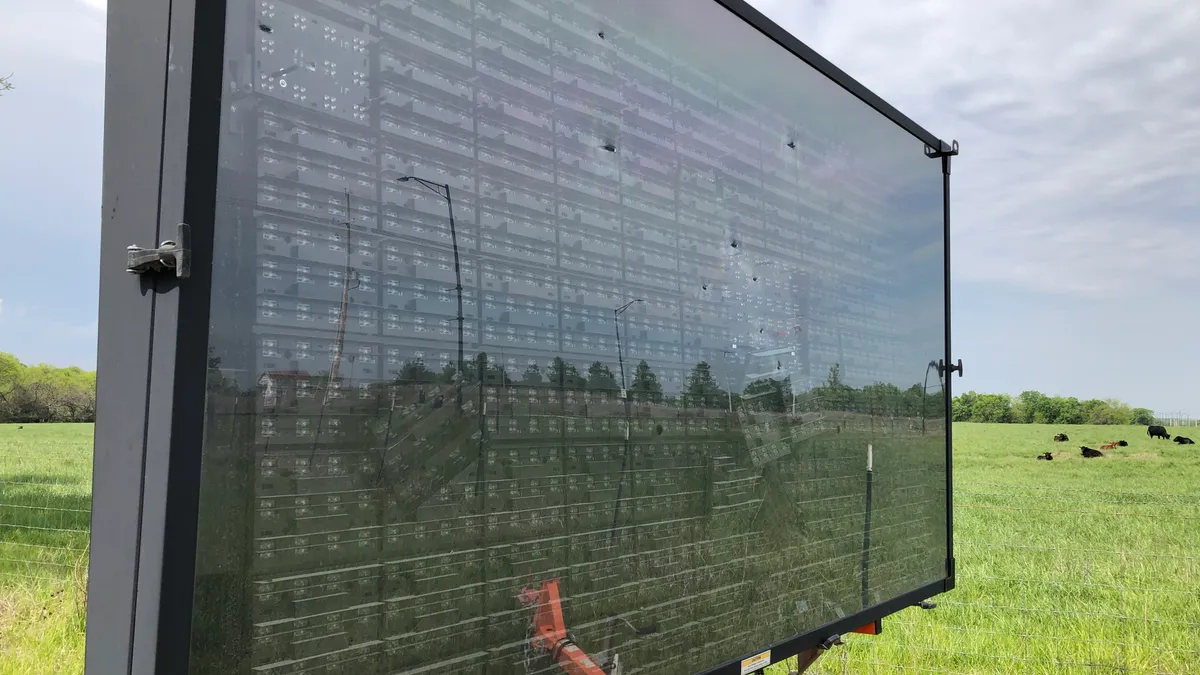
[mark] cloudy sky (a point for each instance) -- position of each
(1076, 200)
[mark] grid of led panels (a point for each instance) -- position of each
(645, 199)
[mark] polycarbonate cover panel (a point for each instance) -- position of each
(618, 303)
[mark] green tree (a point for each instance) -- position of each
(992, 408)
(767, 395)
(11, 371)
(600, 377)
(415, 372)
(702, 389)
(1072, 411)
(645, 386)
(532, 375)
(45, 393)
(836, 394)
(1025, 408)
(1143, 416)
(963, 407)
(564, 374)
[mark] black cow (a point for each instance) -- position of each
(1089, 452)
(1184, 440)
(1156, 431)
(1122, 444)
(1047, 456)
(1061, 437)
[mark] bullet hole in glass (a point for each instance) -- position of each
(611, 147)
(601, 34)
(792, 144)
(658, 429)
(734, 243)
(265, 28)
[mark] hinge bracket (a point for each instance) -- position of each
(944, 153)
(171, 254)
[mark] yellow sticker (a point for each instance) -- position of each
(756, 662)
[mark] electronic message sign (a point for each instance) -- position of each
(581, 336)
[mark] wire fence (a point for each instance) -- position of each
(1060, 579)
(45, 505)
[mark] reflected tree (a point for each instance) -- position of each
(565, 375)
(645, 386)
(416, 372)
(768, 395)
(600, 377)
(702, 388)
(532, 375)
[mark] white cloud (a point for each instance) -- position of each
(1079, 121)
(98, 5)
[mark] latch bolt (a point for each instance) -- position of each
(171, 254)
(943, 369)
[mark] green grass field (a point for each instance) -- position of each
(45, 504)
(1064, 567)
(1068, 566)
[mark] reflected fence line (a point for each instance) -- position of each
(446, 522)
(45, 508)
(1053, 579)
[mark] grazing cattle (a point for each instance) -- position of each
(1089, 452)
(1045, 455)
(1157, 431)
(1061, 437)
(1122, 444)
(1109, 446)
(1184, 440)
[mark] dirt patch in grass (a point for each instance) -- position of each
(1143, 455)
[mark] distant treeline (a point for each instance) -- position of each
(44, 393)
(1034, 407)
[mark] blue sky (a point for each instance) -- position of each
(1076, 233)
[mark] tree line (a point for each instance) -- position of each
(44, 393)
(703, 388)
(1034, 407)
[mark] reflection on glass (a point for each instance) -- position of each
(522, 331)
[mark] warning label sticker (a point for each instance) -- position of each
(756, 662)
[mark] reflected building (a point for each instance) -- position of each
(390, 530)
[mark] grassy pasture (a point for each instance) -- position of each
(45, 504)
(1069, 566)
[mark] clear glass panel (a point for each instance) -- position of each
(614, 360)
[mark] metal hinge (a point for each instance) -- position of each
(952, 368)
(171, 254)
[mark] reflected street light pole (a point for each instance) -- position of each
(620, 352)
(612, 532)
(443, 190)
